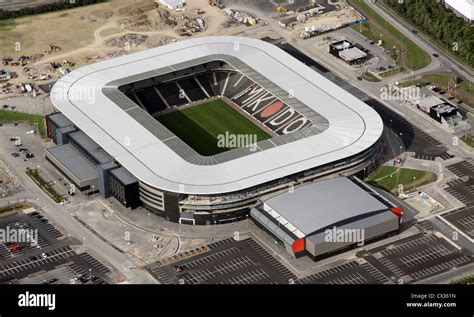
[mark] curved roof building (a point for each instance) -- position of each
(96, 99)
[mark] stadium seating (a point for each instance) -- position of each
(256, 101)
(204, 81)
(151, 100)
(192, 89)
(171, 93)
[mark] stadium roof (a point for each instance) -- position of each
(353, 126)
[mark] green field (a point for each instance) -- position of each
(7, 116)
(389, 177)
(200, 126)
(416, 57)
(464, 90)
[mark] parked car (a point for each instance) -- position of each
(30, 132)
(30, 155)
(5, 106)
(16, 247)
(12, 139)
(15, 154)
(23, 150)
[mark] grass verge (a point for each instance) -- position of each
(464, 90)
(416, 57)
(468, 139)
(465, 281)
(8, 116)
(12, 207)
(34, 175)
(389, 178)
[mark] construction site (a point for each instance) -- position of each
(118, 27)
(8, 184)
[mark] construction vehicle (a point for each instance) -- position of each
(52, 49)
(68, 63)
(281, 9)
(216, 3)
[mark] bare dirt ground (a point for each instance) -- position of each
(93, 33)
(84, 34)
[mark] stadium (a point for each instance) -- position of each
(200, 131)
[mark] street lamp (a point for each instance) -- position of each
(215, 226)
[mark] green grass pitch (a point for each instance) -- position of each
(200, 126)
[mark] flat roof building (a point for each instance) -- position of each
(302, 219)
(347, 51)
(441, 111)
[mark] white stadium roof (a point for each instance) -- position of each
(353, 126)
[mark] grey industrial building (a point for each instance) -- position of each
(303, 219)
(86, 165)
(441, 111)
(347, 51)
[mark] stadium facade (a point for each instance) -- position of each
(107, 113)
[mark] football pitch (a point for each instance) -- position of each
(200, 126)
